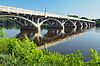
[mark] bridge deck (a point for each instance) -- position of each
(33, 12)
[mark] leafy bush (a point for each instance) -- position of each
(14, 52)
(2, 33)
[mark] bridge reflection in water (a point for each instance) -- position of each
(51, 37)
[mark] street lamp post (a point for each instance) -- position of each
(45, 12)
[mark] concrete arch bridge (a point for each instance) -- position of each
(37, 19)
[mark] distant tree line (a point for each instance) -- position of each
(97, 21)
(75, 16)
(3, 20)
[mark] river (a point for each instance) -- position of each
(61, 41)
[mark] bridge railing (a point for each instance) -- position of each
(33, 12)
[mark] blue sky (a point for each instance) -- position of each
(88, 8)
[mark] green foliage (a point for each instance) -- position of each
(14, 52)
(3, 20)
(85, 18)
(75, 16)
(95, 58)
(2, 33)
(97, 21)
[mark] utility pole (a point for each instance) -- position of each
(45, 12)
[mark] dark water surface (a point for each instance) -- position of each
(62, 41)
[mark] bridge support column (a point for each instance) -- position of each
(33, 19)
(75, 25)
(38, 26)
(25, 23)
(90, 24)
(81, 25)
(86, 25)
(19, 20)
(38, 35)
(63, 28)
(74, 30)
(93, 25)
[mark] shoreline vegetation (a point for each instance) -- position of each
(15, 52)
(3, 20)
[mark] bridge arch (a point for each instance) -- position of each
(22, 25)
(5, 16)
(51, 19)
(85, 25)
(69, 23)
(79, 24)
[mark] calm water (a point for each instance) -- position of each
(62, 41)
(83, 41)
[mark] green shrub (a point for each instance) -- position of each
(14, 52)
(2, 33)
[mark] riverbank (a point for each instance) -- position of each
(14, 52)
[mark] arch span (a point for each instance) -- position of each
(79, 24)
(33, 23)
(50, 19)
(69, 23)
(16, 21)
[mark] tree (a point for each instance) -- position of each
(97, 21)
(75, 16)
(85, 18)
